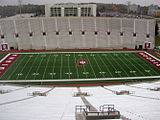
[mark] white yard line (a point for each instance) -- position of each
(54, 66)
(91, 66)
(152, 56)
(61, 68)
(120, 65)
(105, 65)
(23, 68)
(111, 65)
(38, 66)
(131, 64)
(15, 68)
(46, 67)
(4, 57)
(56, 80)
(69, 67)
(141, 66)
(99, 66)
(31, 67)
(76, 66)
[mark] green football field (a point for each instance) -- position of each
(64, 66)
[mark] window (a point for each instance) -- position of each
(70, 32)
(44, 33)
(2, 36)
(83, 32)
(30, 34)
(108, 33)
(147, 35)
(57, 32)
(96, 32)
(121, 33)
(134, 34)
(140, 46)
(16, 35)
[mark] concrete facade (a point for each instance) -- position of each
(70, 10)
(77, 33)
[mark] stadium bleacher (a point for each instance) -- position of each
(66, 33)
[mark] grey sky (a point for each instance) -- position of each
(140, 2)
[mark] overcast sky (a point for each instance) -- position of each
(140, 2)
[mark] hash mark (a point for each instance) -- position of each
(118, 72)
(35, 74)
(85, 73)
(52, 73)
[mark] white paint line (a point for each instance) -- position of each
(4, 57)
(67, 80)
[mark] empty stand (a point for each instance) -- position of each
(77, 33)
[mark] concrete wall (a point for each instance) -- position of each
(89, 25)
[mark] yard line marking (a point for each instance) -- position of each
(152, 56)
(38, 67)
(141, 66)
(119, 66)
(16, 68)
(68, 66)
(4, 57)
(132, 65)
(54, 64)
(124, 64)
(112, 65)
(76, 65)
(23, 67)
(46, 66)
(99, 67)
(105, 65)
(90, 65)
(131, 71)
(61, 68)
(31, 67)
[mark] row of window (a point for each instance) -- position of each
(70, 33)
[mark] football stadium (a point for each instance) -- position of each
(79, 68)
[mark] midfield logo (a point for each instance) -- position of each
(82, 62)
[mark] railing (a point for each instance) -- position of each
(81, 108)
(107, 113)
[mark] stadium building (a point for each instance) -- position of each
(70, 10)
(77, 33)
(33, 83)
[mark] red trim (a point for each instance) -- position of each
(6, 64)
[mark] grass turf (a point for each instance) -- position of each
(2, 55)
(59, 66)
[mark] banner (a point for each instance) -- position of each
(4, 46)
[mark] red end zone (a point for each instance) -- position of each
(150, 59)
(7, 62)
